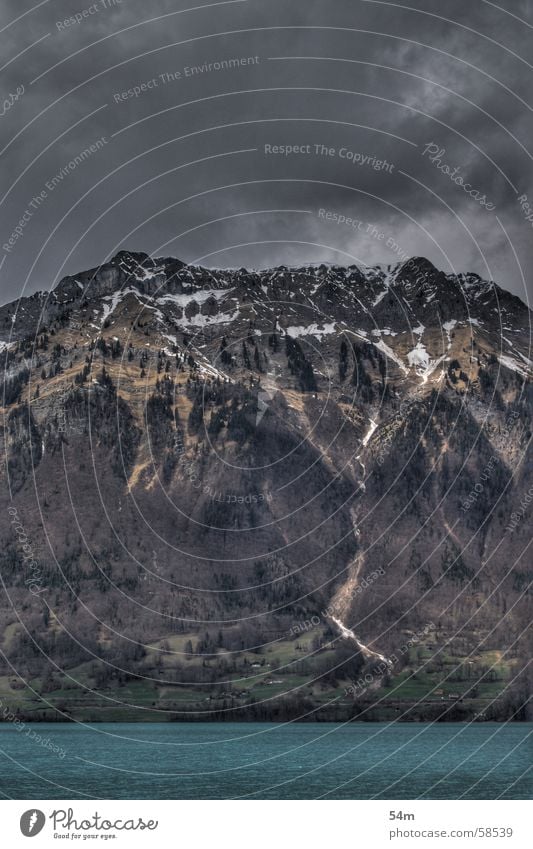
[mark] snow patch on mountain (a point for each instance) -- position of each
(382, 346)
(367, 437)
(200, 320)
(111, 302)
(200, 297)
(420, 360)
(311, 330)
(448, 326)
(512, 364)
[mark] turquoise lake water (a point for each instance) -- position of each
(266, 761)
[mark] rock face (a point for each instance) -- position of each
(321, 470)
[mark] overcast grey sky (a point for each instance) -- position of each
(183, 166)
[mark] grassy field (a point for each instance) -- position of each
(287, 669)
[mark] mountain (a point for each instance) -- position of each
(296, 492)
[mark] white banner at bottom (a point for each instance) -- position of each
(262, 824)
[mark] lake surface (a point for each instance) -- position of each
(266, 761)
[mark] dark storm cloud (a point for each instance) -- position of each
(370, 80)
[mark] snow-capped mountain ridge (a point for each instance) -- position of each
(427, 317)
